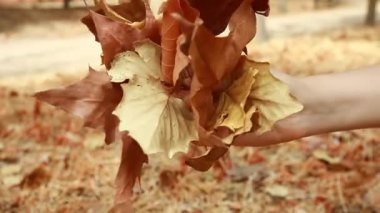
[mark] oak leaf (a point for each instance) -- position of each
(158, 121)
(92, 99)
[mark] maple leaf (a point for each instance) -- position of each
(116, 37)
(270, 97)
(130, 169)
(170, 32)
(158, 121)
(93, 99)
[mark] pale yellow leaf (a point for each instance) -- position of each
(323, 155)
(270, 97)
(230, 109)
(145, 62)
(157, 121)
(277, 190)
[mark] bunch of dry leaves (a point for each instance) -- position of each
(176, 79)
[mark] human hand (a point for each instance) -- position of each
(333, 102)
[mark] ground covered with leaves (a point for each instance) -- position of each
(49, 163)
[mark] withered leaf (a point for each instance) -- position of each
(170, 32)
(130, 170)
(214, 59)
(93, 99)
(217, 13)
(158, 121)
(116, 37)
(205, 162)
(230, 110)
(270, 97)
(133, 10)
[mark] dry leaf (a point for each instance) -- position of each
(130, 169)
(230, 110)
(270, 97)
(170, 32)
(93, 99)
(324, 156)
(214, 59)
(217, 13)
(129, 16)
(36, 178)
(155, 119)
(277, 190)
(205, 162)
(116, 37)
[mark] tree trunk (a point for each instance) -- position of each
(283, 6)
(371, 13)
(66, 4)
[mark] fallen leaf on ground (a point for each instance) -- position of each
(277, 191)
(36, 178)
(324, 156)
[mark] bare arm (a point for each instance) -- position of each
(333, 102)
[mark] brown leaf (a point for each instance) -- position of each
(214, 59)
(131, 12)
(36, 178)
(261, 7)
(217, 13)
(93, 99)
(170, 32)
(130, 169)
(205, 162)
(116, 37)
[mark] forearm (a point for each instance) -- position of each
(333, 102)
(337, 102)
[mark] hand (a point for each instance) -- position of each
(333, 102)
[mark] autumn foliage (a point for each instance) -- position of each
(173, 81)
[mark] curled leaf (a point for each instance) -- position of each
(216, 14)
(93, 99)
(270, 97)
(230, 111)
(214, 59)
(130, 169)
(133, 9)
(116, 37)
(170, 32)
(205, 162)
(158, 121)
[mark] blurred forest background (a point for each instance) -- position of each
(49, 163)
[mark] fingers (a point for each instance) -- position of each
(252, 139)
(282, 132)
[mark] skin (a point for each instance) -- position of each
(332, 102)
